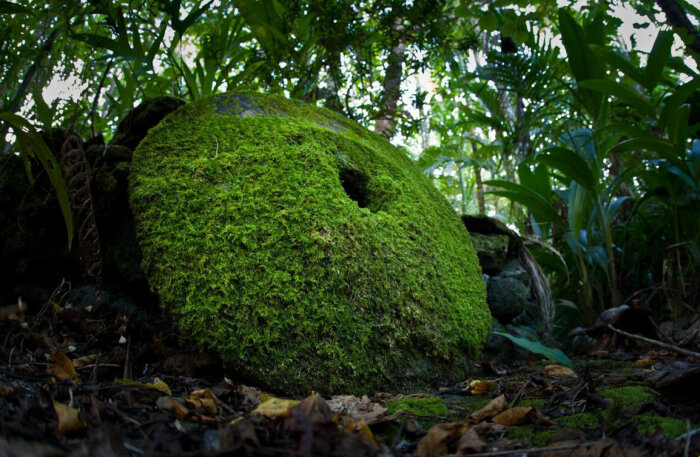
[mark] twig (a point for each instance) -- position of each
(532, 449)
(670, 347)
(395, 442)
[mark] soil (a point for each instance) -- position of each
(80, 380)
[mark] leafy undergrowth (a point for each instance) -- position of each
(82, 382)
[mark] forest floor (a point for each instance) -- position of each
(80, 382)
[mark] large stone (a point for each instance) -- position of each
(309, 253)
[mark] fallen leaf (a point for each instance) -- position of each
(6, 391)
(479, 387)
(470, 443)
(13, 312)
(157, 384)
(63, 368)
(68, 420)
(359, 409)
(435, 442)
(362, 430)
(315, 409)
(514, 416)
(251, 396)
(645, 362)
(559, 371)
(84, 361)
(174, 408)
(203, 399)
(274, 407)
(492, 408)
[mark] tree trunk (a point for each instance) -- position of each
(479, 183)
(385, 122)
(676, 16)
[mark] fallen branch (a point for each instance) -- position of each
(670, 347)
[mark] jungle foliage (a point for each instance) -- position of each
(541, 116)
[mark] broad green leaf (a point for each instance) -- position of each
(583, 63)
(622, 91)
(678, 126)
(571, 165)
(539, 348)
(680, 95)
(657, 58)
(625, 66)
(33, 145)
(527, 197)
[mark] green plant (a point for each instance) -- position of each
(32, 147)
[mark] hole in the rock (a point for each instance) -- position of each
(355, 185)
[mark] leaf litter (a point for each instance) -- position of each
(63, 392)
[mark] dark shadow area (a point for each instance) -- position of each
(355, 185)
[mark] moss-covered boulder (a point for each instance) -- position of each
(308, 252)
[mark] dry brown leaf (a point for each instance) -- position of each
(63, 368)
(84, 361)
(68, 419)
(514, 416)
(645, 362)
(175, 408)
(479, 387)
(438, 437)
(359, 409)
(559, 371)
(203, 399)
(362, 430)
(13, 312)
(470, 443)
(157, 384)
(251, 396)
(6, 391)
(492, 408)
(274, 407)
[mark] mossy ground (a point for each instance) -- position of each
(308, 252)
(578, 420)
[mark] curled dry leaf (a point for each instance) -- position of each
(173, 407)
(559, 371)
(359, 409)
(250, 396)
(84, 361)
(157, 384)
(492, 408)
(470, 443)
(514, 416)
(203, 399)
(435, 442)
(63, 367)
(362, 430)
(68, 419)
(273, 407)
(645, 362)
(480, 387)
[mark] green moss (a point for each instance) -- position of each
(650, 423)
(537, 403)
(308, 252)
(623, 398)
(418, 406)
(537, 436)
(579, 420)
